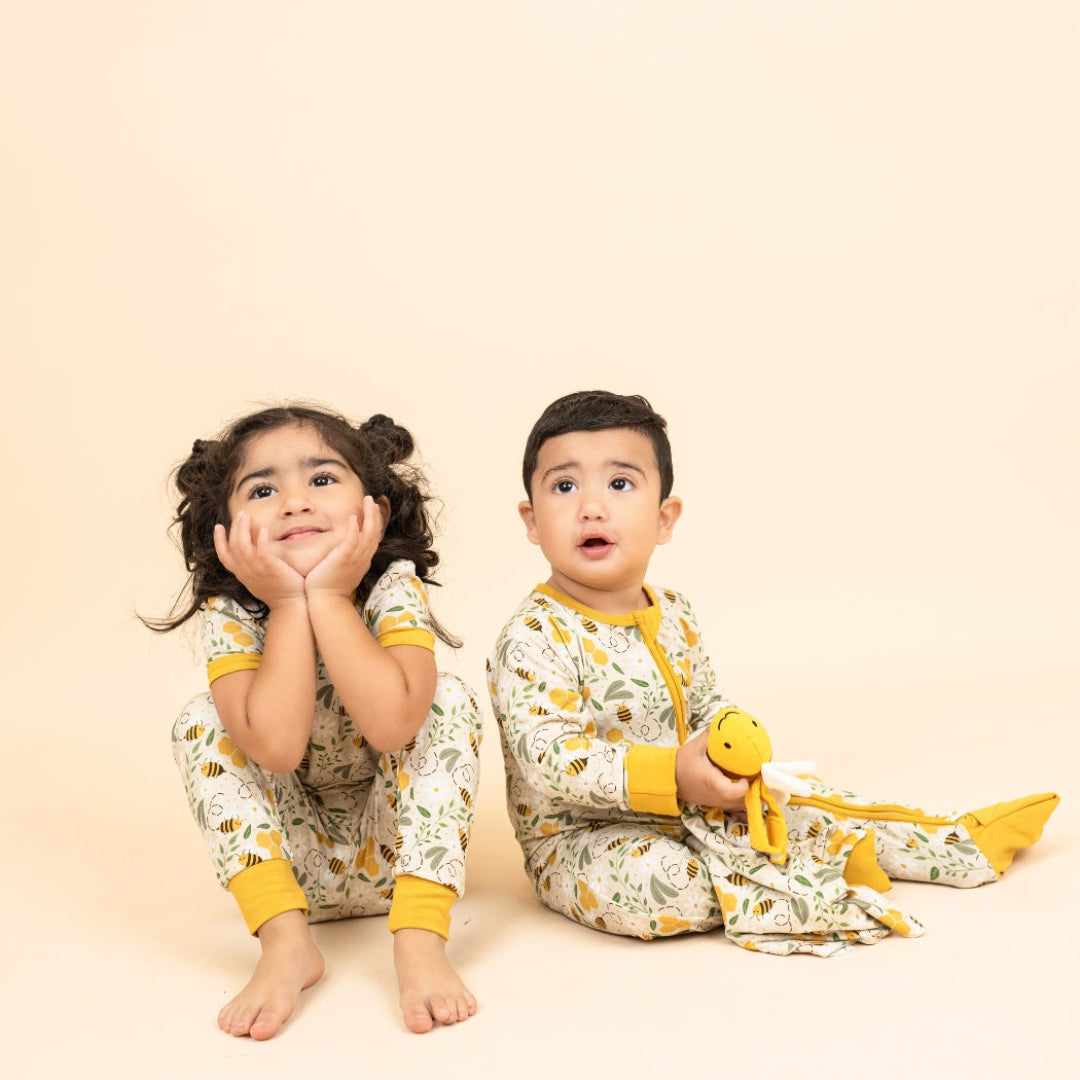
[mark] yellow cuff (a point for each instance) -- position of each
(650, 780)
(265, 890)
(407, 635)
(419, 904)
(226, 665)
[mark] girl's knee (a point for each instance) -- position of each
(198, 720)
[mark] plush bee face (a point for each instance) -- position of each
(738, 744)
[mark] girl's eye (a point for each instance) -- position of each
(322, 480)
(564, 487)
(620, 483)
(263, 491)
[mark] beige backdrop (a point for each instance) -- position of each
(837, 246)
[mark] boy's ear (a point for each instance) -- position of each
(525, 510)
(670, 510)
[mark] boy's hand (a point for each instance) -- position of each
(344, 567)
(699, 781)
(261, 572)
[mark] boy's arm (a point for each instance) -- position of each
(268, 705)
(704, 697)
(537, 696)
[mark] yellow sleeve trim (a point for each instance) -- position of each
(226, 665)
(650, 780)
(265, 890)
(410, 635)
(420, 904)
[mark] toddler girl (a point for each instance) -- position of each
(331, 768)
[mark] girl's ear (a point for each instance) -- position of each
(670, 511)
(528, 515)
(383, 503)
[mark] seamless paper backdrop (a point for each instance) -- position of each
(836, 245)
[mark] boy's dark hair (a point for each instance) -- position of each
(376, 451)
(599, 410)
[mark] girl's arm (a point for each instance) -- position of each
(269, 712)
(386, 691)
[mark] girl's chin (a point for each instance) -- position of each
(304, 562)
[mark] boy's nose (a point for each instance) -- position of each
(592, 507)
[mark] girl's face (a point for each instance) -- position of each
(300, 490)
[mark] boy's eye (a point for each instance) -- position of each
(564, 487)
(262, 491)
(322, 480)
(620, 483)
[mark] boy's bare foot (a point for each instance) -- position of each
(430, 988)
(290, 962)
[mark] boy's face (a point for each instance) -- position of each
(597, 516)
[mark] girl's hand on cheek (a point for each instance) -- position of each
(344, 566)
(260, 571)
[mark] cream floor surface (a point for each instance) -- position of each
(124, 949)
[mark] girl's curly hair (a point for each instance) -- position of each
(377, 451)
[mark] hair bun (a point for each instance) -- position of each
(391, 441)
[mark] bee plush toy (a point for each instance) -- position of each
(741, 747)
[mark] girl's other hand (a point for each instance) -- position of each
(249, 557)
(344, 566)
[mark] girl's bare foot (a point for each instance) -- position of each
(290, 962)
(430, 988)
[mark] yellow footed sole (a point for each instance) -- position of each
(1001, 830)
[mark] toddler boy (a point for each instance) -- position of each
(604, 694)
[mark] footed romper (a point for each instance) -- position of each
(592, 709)
(352, 831)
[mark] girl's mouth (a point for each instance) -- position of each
(301, 534)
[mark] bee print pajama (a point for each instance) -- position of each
(350, 821)
(592, 709)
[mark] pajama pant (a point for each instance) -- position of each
(349, 819)
(657, 876)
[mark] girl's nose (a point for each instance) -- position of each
(296, 501)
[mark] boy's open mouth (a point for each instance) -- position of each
(595, 545)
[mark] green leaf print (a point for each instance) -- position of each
(804, 881)
(436, 710)
(435, 856)
(247, 833)
(424, 812)
(935, 873)
(800, 908)
(660, 891)
(640, 682)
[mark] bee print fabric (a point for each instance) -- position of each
(574, 691)
(349, 818)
